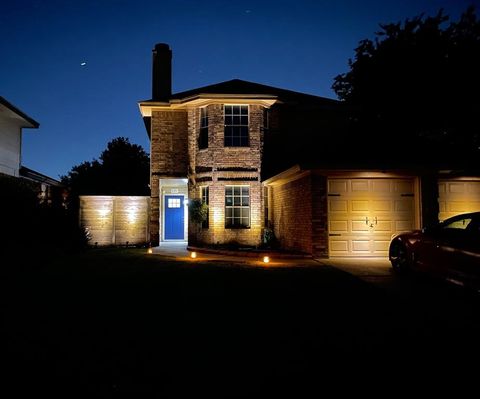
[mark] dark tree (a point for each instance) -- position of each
(122, 169)
(419, 81)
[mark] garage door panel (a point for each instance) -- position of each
(404, 205)
(442, 205)
(338, 186)
(367, 213)
(359, 186)
(338, 206)
(361, 246)
(456, 188)
(381, 186)
(404, 187)
(473, 189)
(339, 247)
(382, 205)
(456, 197)
(380, 247)
(457, 206)
(403, 225)
(383, 226)
(359, 206)
(359, 226)
(338, 226)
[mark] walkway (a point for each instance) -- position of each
(179, 251)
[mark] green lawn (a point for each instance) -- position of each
(119, 321)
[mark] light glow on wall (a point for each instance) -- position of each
(217, 215)
(103, 212)
(115, 219)
(131, 215)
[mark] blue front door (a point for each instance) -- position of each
(174, 217)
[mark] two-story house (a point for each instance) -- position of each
(12, 123)
(261, 156)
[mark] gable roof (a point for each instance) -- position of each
(243, 87)
(31, 122)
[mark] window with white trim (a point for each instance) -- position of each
(236, 126)
(203, 136)
(205, 192)
(237, 206)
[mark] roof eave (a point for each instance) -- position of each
(203, 99)
(31, 123)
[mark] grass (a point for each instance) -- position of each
(120, 322)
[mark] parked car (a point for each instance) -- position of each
(450, 249)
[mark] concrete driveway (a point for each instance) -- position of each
(367, 269)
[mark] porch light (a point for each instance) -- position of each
(193, 255)
(266, 259)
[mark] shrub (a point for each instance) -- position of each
(198, 210)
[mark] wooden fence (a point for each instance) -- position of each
(115, 220)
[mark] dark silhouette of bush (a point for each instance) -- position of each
(34, 227)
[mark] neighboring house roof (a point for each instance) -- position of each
(38, 177)
(30, 122)
(243, 87)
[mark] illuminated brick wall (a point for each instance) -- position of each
(218, 166)
(168, 158)
(216, 232)
(292, 214)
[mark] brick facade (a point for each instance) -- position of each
(319, 216)
(299, 214)
(292, 214)
(175, 154)
(168, 158)
(218, 166)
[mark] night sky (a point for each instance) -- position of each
(297, 45)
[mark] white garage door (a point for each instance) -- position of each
(458, 196)
(364, 214)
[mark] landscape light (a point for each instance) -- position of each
(193, 255)
(266, 259)
(149, 251)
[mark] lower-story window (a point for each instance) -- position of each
(237, 206)
(205, 199)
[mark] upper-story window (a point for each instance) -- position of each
(203, 136)
(236, 126)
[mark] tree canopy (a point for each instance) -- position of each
(122, 169)
(419, 80)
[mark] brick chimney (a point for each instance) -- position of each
(162, 72)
